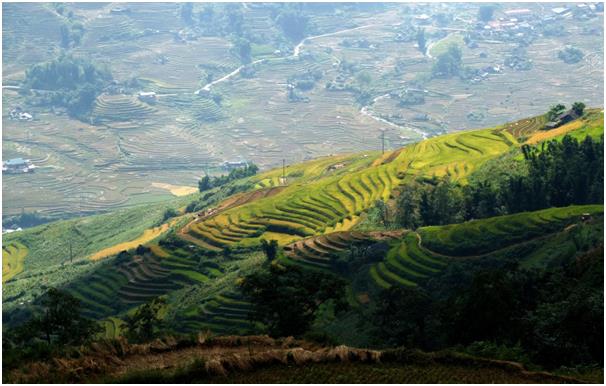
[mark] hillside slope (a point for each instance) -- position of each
(310, 208)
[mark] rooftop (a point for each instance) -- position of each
(15, 162)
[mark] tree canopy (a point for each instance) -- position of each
(68, 81)
(286, 299)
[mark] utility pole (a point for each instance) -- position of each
(382, 141)
(284, 171)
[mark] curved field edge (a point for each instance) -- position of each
(13, 256)
(328, 191)
(147, 236)
(487, 235)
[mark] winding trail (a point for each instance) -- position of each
(365, 111)
(298, 47)
(296, 52)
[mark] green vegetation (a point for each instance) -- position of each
(571, 55)
(555, 111)
(487, 235)
(293, 24)
(286, 300)
(68, 81)
(486, 12)
(207, 183)
(558, 173)
(13, 256)
(527, 315)
(145, 324)
(59, 322)
(448, 63)
(222, 269)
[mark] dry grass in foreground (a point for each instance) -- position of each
(253, 359)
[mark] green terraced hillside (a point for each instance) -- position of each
(488, 235)
(327, 195)
(310, 209)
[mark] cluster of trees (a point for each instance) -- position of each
(485, 12)
(243, 49)
(551, 318)
(556, 110)
(558, 174)
(286, 299)
(207, 183)
(448, 63)
(58, 324)
(68, 81)
(570, 55)
(71, 34)
(293, 23)
(421, 40)
(146, 323)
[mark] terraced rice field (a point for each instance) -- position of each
(488, 235)
(126, 108)
(225, 313)
(327, 193)
(112, 327)
(406, 264)
(316, 252)
(13, 255)
(526, 126)
(125, 284)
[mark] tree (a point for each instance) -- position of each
(379, 213)
(555, 111)
(448, 63)
(204, 184)
(146, 323)
(243, 49)
(65, 38)
(364, 78)
(485, 12)
(400, 316)
(578, 108)
(169, 213)
(71, 82)
(293, 24)
(60, 322)
(421, 41)
(286, 299)
(186, 12)
(407, 206)
(270, 248)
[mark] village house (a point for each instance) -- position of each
(562, 119)
(519, 13)
(17, 114)
(149, 97)
(336, 166)
(17, 165)
(234, 164)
